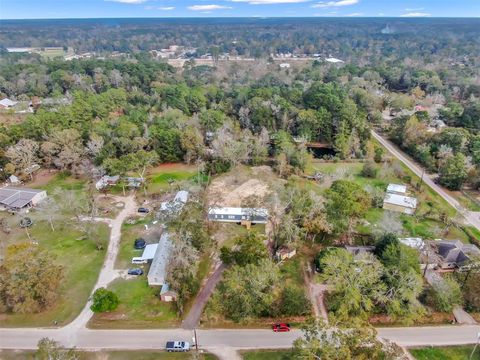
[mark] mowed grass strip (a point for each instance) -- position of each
(140, 307)
(446, 353)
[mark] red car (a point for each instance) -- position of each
(281, 327)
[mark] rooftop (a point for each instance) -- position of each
(401, 200)
(396, 188)
(416, 243)
(149, 251)
(17, 197)
(237, 211)
(158, 269)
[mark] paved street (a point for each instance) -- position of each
(232, 338)
(471, 217)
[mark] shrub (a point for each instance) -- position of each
(294, 302)
(369, 170)
(104, 300)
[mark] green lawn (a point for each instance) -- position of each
(112, 355)
(267, 355)
(81, 261)
(159, 177)
(140, 307)
(129, 234)
(64, 182)
(445, 353)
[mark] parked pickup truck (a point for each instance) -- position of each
(177, 346)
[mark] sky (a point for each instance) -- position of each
(48, 9)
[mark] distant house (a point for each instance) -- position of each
(14, 180)
(134, 182)
(452, 254)
(106, 180)
(284, 65)
(238, 215)
(7, 103)
(396, 200)
(16, 199)
(334, 60)
(158, 269)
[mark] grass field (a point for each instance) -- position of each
(445, 353)
(140, 307)
(81, 261)
(112, 355)
(160, 177)
(267, 355)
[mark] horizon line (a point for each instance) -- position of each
(247, 17)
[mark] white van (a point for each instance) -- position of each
(139, 260)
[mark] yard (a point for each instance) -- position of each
(160, 177)
(81, 261)
(445, 353)
(80, 258)
(419, 225)
(140, 307)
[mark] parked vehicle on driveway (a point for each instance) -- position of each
(139, 260)
(281, 327)
(143, 210)
(135, 271)
(177, 346)
(139, 244)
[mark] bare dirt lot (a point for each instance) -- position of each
(240, 185)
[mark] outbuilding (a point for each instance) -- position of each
(16, 199)
(158, 269)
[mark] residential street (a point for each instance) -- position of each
(471, 217)
(220, 338)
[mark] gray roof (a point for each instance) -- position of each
(455, 251)
(158, 269)
(17, 197)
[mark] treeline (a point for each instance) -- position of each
(426, 40)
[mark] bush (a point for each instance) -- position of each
(104, 300)
(294, 302)
(446, 295)
(378, 157)
(369, 170)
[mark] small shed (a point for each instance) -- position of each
(397, 189)
(7, 103)
(285, 253)
(14, 180)
(167, 295)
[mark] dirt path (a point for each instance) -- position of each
(316, 295)
(193, 317)
(107, 273)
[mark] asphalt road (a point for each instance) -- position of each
(231, 338)
(471, 217)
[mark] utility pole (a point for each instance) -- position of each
(195, 337)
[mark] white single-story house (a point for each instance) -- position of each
(106, 180)
(158, 269)
(400, 203)
(7, 103)
(237, 215)
(397, 189)
(15, 199)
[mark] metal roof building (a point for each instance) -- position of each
(158, 269)
(396, 189)
(13, 198)
(400, 203)
(233, 214)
